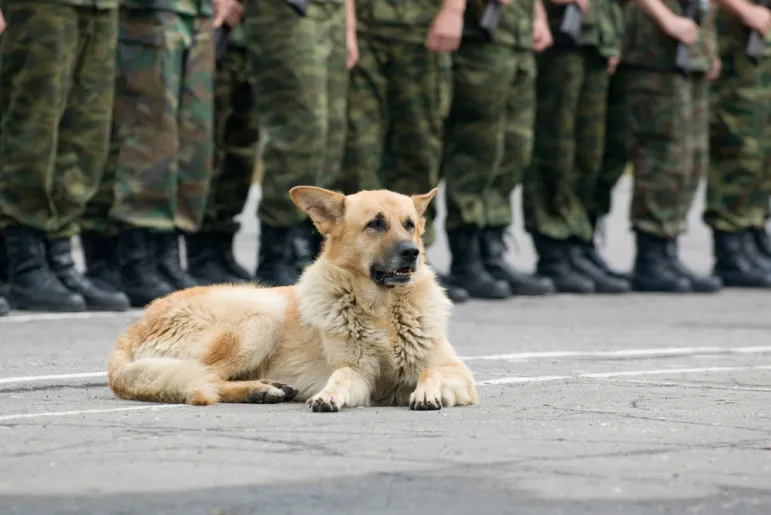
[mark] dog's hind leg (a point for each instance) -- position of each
(256, 392)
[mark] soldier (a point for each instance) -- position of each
(163, 136)
(298, 59)
(668, 124)
(571, 90)
(739, 178)
(56, 94)
(493, 96)
(210, 256)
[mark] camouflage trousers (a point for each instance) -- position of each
(236, 134)
(56, 94)
(571, 103)
(668, 127)
(162, 139)
(616, 154)
(301, 80)
(488, 133)
(739, 177)
(396, 114)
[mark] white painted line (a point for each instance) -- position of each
(626, 373)
(20, 416)
(693, 385)
(44, 317)
(27, 379)
(627, 353)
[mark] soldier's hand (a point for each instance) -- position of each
(227, 11)
(759, 19)
(445, 31)
(682, 29)
(716, 66)
(583, 5)
(612, 64)
(542, 38)
(352, 46)
(2, 22)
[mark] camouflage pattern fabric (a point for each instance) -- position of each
(396, 112)
(668, 123)
(56, 97)
(739, 177)
(598, 27)
(97, 4)
(189, 7)
(163, 118)
(571, 89)
(616, 152)
(236, 132)
(299, 72)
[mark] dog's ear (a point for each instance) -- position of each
(422, 201)
(326, 208)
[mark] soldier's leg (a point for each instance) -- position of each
(736, 194)
(195, 130)
(516, 155)
(471, 156)
(761, 234)
(291, 73)
(210, 256)
(149, 68)
(552, 207)
(590, 145)
(38, 53)
(82, 152)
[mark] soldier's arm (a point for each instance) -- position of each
(752, 15)
(351, 42)
(680, 28)
(2, 22)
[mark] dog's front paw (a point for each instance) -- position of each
(270, 392)
(323, 403)
(423, 399)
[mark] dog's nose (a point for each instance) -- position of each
(408, 251)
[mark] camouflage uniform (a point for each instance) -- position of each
(210, 256)
(56, 95)
(739, 177)
(571, 93)
(490, 116)
(668, 124)
(299, 71)
(395, 112)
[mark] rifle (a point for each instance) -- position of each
(299, 6)
(490, 18)
(571, 22)
(756, 43)
(691, 11)
(221, 43)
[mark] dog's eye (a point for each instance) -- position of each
(409, 225)
(376, 224)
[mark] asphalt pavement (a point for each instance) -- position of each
(598, 405)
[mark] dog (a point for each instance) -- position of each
(366, 324)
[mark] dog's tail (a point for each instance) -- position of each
(167, 380)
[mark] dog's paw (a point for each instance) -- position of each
(425, 400)
(272, 393)
(323, 403)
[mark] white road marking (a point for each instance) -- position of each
(27, 379)
(625, 373)
(20, 416)
(44, 317)
(626, 353)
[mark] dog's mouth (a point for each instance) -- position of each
(397, 277)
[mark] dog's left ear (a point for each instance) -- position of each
(326, 208)
(422, 201)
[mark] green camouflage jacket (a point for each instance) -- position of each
(406, 20)
(97, 4)
(191, 7)
(598, 25)
(732, 34)
(515, 27)
(646, 45)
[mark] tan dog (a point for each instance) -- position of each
(365, 324)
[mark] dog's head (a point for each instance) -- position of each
(373, 233)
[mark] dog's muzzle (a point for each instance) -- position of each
(399, 266)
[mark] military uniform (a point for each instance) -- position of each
(668, 124)
(739, 178)
(490, 117)
(56, 96)
(162, 139)
(210, 256)
(571, 90)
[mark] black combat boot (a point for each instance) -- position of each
(493, 248)
(762, 240)
(467, 269)
(306, 245)
(210, 259)
(733, 263)
(59, 257)
(592, 253)
(140, 278)
(169, 262)
(603, 281)
(756, 242)
(455, 293)
(101, 255)
(554, 263)
(33, 286)
(653, 267)
(276, 265)
(699, 283)
(5, 308)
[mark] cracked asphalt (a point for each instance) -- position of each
(642, 404)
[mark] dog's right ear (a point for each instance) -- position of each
(326, 208)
